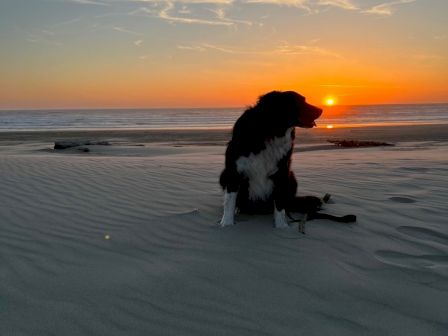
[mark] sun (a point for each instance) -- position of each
(329, 101)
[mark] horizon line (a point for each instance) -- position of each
(191, 107)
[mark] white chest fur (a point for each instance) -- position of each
(259, 167)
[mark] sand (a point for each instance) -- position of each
(123, 240)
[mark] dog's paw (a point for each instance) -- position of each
(280, 221)
(225, 221)
(307, 204)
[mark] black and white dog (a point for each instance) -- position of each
(257, 176)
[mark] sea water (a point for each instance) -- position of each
(208, 118)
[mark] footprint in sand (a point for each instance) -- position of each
(424, 234)
(411, 261)
(400, 199)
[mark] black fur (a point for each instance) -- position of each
(274, 113)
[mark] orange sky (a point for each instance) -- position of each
(205, 53)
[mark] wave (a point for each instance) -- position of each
(28, 120)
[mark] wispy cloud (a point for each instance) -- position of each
(66, 22)
(295, 3)
(292, 49)
(440, 37)
(44, 38)
(166, 14)
(220, 11)
(282, 48)
(310, 6)
(345, 86)
(168, 11)
(223, 49)
(386, 9)
(138, 43)
(191, 48)
(48, 32)
(90, 2)
(344, 4)
(221, 14)
(314, 6)
(126, 31)
(428, 57)
(301, 4)
(185, 1)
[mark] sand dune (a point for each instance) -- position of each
(123, 241)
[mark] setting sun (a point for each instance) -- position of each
(329, 101)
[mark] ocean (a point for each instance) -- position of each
(208, 118)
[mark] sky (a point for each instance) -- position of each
(220, 53)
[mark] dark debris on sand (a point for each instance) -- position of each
(71, 144)
(357, 144)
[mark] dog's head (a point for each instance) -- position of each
(288, 109)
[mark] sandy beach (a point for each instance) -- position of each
(123, 239)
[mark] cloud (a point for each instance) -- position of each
(283, 48)
(191, 48)
(287, 49)
(222, 15)
(386, 9)
(219, 12)
(440, 37)
(66, 22)
(344, 4)
(428, 57)
(44, 37)
(217, 2)
(90, 2)
(44, 40)
(308, 5)
(126, 31)
(346, 86)
(138, 43)
(296, 3)
(302, 4)
(48, 32)
(167, 10)
(165, 14)
(201, 47)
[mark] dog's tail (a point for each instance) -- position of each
(340, 219)
(311, 205)
(305, 204)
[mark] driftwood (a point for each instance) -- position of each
(71, 144)
(356, 143)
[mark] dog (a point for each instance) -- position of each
(257, 177)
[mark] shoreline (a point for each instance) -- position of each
(404, 133)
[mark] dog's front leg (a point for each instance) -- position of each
(280, 220)
(280, 195)
(228, 218)
(282, 190)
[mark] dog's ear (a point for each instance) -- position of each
(288, 101)
(270, 101)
